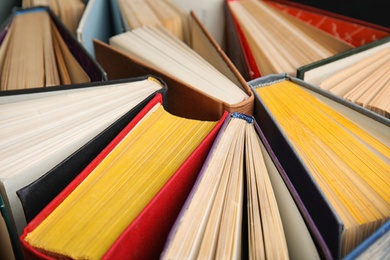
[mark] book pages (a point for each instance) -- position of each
(44, 131)
(279, 42)
(210, 224)
(44, 62)
(125, 180)
(349, 165)
(158, 48)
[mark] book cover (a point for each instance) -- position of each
(373, 14)
(352, 30)
(96, 23)
(375, 246)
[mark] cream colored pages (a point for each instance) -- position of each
(377, 249)
(203, 215)
(380, 103)
(69, 11)
(62, 69)
(76, 73)
(222, 237)
(266, 234)
(34, 55)
(279, 43)
(209, 226)
(137, 13)
(202, 44)
(26, 3)
(317, 75)
(300, 243)
(3, 50)
(160, 49)
(23, 63)
(210, 13)
(185, 20)
(44, 131)
(169, 16)
(52, 77)
(322, 38)
(365, 83)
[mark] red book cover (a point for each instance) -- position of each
(351, 30)
(145, 237)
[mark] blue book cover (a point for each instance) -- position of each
(119, 26)
(96, 23)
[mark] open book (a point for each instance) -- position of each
(360, 75)
(127, 198)
(240, 206)
(45, 127)
(286, 15)
(156, 47)
(35, 53)
(212, 222)
(200, 75)
(280, 42)
(336, 157)
(69, 11)
(139, 13)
